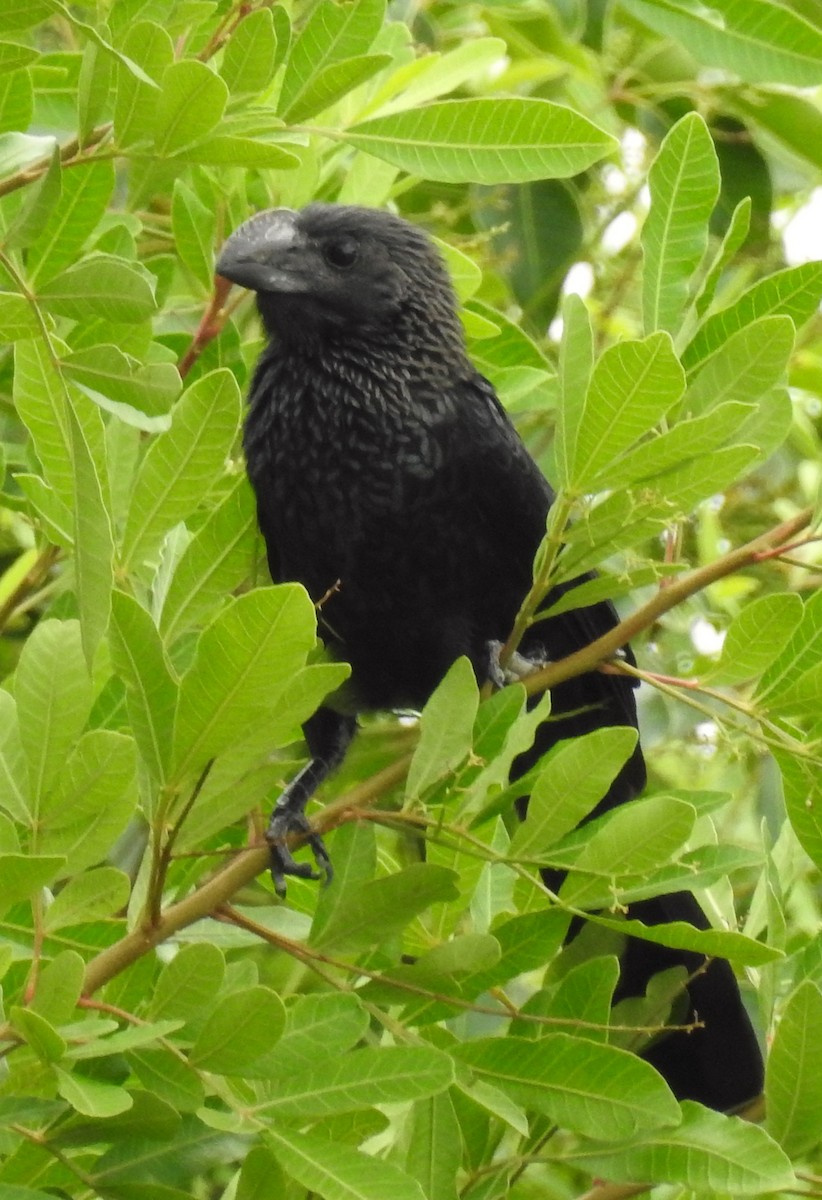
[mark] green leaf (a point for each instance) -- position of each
(634, 839)
(684, 183)
(241, 1028)
(192, 101)
(633, 385)
(576, 362)
(22, 875)
(335, 81)
(97, 893)
(335, 1021)
(14, 779)
(434, 1154)
(136, 102)
(94, 800)
(794, 292)
(189, 983)
(101, 286)
(793, 1086)
(243, 661)
(585, 994)
(679, 935)
(151, 691)
(216, 560)
(17, 317)
(434, 74)
(760, 41)
(382, 907)
(122, 1040)
(14, 55)
(446, 729)
(139, 394)
(229, 151)
(756, 637)
(494, 140)
(91, 1097)
(93, 542)
(802, 653)
(59, 987)
(39, 1033)
(572, 780)
(42, 198)
(359, 1079)
(338, 1172)
(332, 33)
(54, 695)
(87, 191)
(745, 368)
(584, 1086)
(168, 1077)
(708, 1153)
(180, 465)
(250, 54)
(734, 238)
(195, 229)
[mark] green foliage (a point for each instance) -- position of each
(419, 1028)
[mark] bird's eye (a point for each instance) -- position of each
(341, 253)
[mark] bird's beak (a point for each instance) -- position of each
(260, 255)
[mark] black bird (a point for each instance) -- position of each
(390, 481)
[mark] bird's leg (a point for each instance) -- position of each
(328, 735)
(518, 667)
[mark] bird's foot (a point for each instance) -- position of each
(518, 667)
(284, 824)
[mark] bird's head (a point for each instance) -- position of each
(337, 270)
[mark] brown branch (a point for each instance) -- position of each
(213, 320)
(71, 155)
(32, 580)
(680, 589)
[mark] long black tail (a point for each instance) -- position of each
(719, 1064)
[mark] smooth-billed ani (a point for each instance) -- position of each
(390, 481)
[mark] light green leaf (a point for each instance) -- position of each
(489, 140)
(86, 192)
(54, 695)
(434, 74)
(735, 235)
(684, 183)
(381, 908)
(192, 101)
(709, 1153)
(576, 361)
(136, 102)
(794, 292)
(250, 54)
(793, 1086)
(151, 690)
(22, 875)
(216, 560)
(756, 637)
(93, 801)
(679, 935)
(244, 658)
(139, 394)
(88, 897)
(14, 55)
(91, 1097)
(241, 1028)
(359, 1079)
(93, 541)
(168, 1077)
(758, 40)
(229, 151)
(123, 1039)
(331, 34)
(14, 781)
(18, 319)
(338, 1172)
(59, 986)
(434, 1154)
(335, 1021)
(802, 653)
(634, 839)
(446, 729)
(188, 984)
(584, 1086)
(195, 229)
(42, 198)
(40, 1034)
(633, 385)
(749, 364)
(101, 286)
(574, 778)
(335, 81)
(180, 465)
